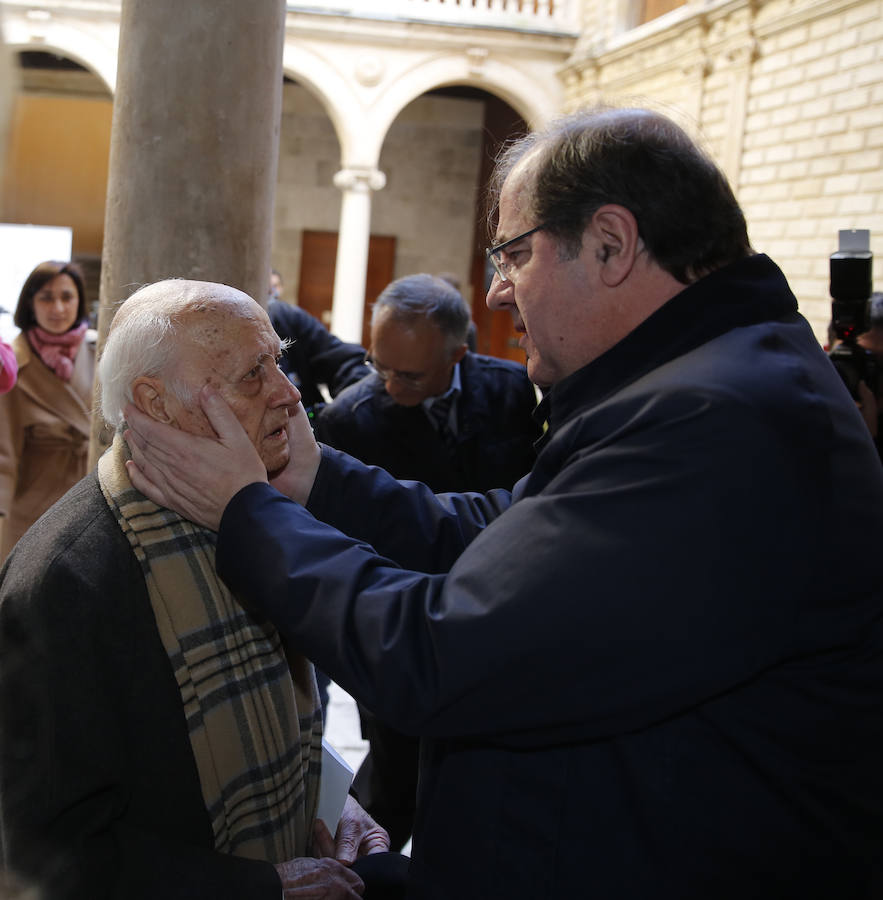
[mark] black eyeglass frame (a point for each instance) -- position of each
(491, 252)
(413, 382)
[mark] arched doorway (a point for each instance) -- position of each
(56, 163)
(447, 163)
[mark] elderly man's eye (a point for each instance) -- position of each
(256, 372)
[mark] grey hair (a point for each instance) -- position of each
(427, 297)
(143, 341)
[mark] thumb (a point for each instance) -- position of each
(346, 846)
(220, 416)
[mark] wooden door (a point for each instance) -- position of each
(318, 260)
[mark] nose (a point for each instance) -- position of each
(393, 387)
(499, 294)
(284, 393)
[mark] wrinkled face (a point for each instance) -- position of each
(557, 305)
(413, 358)
(234, 348)
(56, 305)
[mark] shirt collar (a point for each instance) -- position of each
(453, 390)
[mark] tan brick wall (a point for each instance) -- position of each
(788, 97)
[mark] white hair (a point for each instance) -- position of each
(143, 340)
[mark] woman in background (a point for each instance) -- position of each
(45, 419)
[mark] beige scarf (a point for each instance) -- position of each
(252, 712)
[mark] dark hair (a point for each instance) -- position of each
(686, 212)
(427, 297)
(24, 312)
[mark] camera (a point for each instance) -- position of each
(850, 289)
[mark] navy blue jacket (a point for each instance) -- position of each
(653, 670)
(495, 429)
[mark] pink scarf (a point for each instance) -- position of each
(58, 351)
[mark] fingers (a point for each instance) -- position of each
(143, 484)
(318, 879)
(154, 434)
(346, 846)
(220, 416)
(358, 834)
(376, 841)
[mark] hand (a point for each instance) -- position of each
(195, 476)
(357, 835)
(296, 479)
(318, 879)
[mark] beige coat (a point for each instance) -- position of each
(44, 437)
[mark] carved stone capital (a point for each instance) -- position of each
(698, 67)
(745, 53)
(360, 178)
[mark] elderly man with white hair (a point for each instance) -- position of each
(157, 738)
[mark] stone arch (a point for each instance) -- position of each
(85, 48)
(523, 93)
(337, 96)
(45, 182)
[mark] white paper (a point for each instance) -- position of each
(337, 776)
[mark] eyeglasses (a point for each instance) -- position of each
(409, 379)
(493, 253)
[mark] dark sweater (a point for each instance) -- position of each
(99, 793)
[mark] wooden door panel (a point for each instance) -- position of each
(318, 260)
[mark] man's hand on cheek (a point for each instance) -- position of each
(296, 479)
(195, 476)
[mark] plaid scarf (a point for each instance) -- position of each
(253, 714)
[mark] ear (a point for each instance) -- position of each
(459, 353)
(149, 396)
(614, 233)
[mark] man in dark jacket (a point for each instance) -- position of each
(432, 411)
(655, 668)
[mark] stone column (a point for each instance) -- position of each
(352, 250)
(194, 148)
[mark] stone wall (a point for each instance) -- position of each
(431, 162)
(788, 97)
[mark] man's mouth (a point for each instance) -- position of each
(275, 435)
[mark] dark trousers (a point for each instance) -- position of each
(385, 875)
(386, 783)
